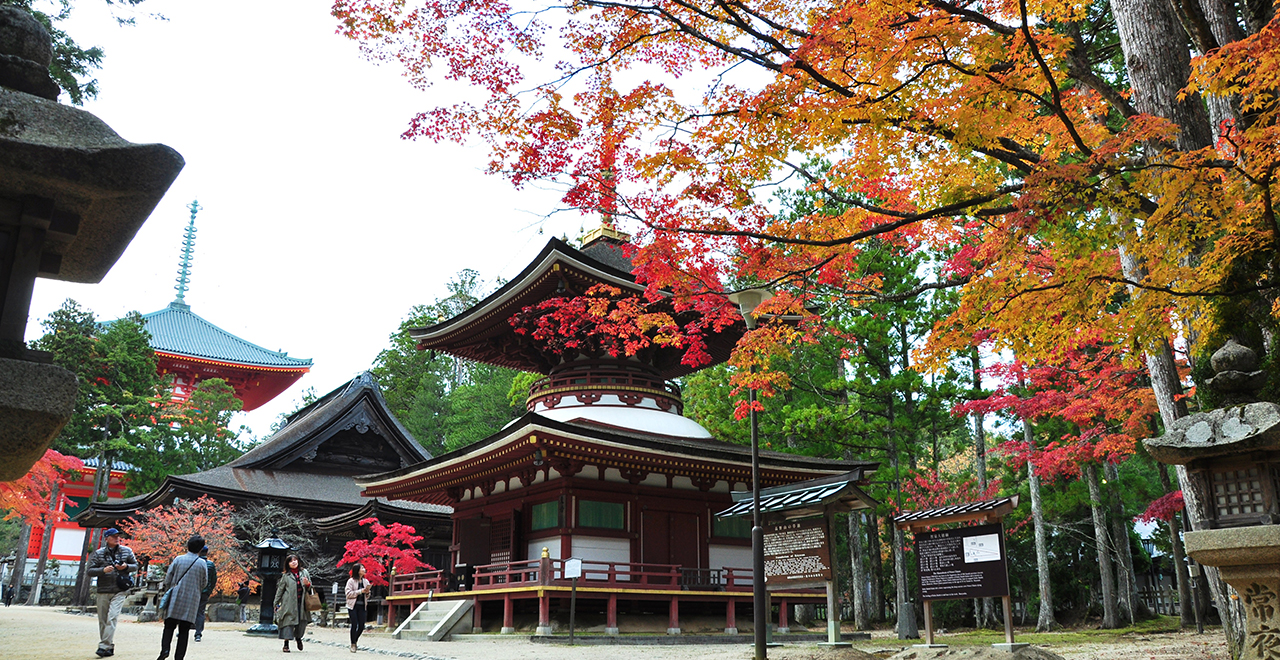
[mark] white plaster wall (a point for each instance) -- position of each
(730, 556)
(595, 548)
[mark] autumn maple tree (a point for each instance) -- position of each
(1079, 167)
(36, 497)
(390, 548)
(161, 533)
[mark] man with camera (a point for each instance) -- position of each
(113, 564)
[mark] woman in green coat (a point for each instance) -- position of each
(291, 618)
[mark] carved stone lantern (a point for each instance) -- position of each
(271, 554)
(72, 196)
(1232, 458)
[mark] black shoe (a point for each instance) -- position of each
(299, 644)
(163, 655)
(104, 653)
(197, 638)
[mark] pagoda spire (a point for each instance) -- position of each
(188, 250)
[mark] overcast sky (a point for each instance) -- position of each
(321, 227)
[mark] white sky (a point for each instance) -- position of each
(321, 227)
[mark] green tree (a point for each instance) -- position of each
(191, 436)
(445, 402)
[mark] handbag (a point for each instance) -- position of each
(124, 581)
(311, 601)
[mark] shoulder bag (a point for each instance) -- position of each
(168, 593)
(124, 581)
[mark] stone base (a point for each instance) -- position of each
(610, 631)
(782, 631)
(543, 630)
(36, 401)
(673, 631)
(730, 631)
(507, 630)
(1010, 648)
(1248, 558)
(476, 631)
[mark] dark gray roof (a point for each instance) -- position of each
(956, 510)
(806, 497)
(357, 402)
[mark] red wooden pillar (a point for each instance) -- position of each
(731, 618)
(673, 617)
(476, 626)
(782, 617)
(508, 615)
(544, 614)
(391, 615)
(611, 616)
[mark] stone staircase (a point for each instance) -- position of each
(436, 621)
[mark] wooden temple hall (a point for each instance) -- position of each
(603, 467)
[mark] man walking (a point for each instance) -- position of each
(212, 571)
(242, 595)
(112, 564)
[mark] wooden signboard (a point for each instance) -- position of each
(796, 554)
(968, 562)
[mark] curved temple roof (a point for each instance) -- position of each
(177, 330)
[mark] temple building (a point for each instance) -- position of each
(190, 348)
(309, 467)
(603, 467)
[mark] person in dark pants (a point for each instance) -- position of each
(187, 577)
(242, 597)
(205, 593)
(357, 592)
(8, 595)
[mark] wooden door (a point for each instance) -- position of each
(655, 537)
(686, 541)
(473, 541)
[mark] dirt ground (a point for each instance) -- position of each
(42, 633)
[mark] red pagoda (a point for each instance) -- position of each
(603, 468)
(192, 349)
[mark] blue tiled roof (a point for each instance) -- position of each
(176, 329)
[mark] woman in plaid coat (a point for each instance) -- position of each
(187, 577)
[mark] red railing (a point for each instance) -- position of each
(622, 575)
(418, 583)
(508, 574)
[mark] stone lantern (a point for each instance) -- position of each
(271, 554)
(72, 196)
(1232, 459)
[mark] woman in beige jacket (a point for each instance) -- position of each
(357, 592)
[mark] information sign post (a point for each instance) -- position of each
(797, 555)
(964, 562)
(573, 571)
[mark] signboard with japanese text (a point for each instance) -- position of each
(968, 562)
(796, 554)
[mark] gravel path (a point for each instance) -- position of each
(41, 633)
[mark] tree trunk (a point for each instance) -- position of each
(20, 562)
(906, 613)
(984, 609)
(861, 618)
(1110, 619)
(1185, 604)
(1045, 621)
(101, 486)
(877, 567)
(46, 540)
(1127, 584)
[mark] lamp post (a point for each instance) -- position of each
(747, 302)
(271, 553)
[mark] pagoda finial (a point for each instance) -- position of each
(188, 250)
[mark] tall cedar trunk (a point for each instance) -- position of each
(1045, 621)
(1185, 612)
(983, 609)
(20, 563)
(906, 613)
(861, 613)
(46, 541)
(877, 567)
(1110, 618)
(1127, 585)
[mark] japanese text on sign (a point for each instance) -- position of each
(796, 553)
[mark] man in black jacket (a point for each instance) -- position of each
(206, 592)
(109, 564)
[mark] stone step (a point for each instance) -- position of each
(420, 635)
